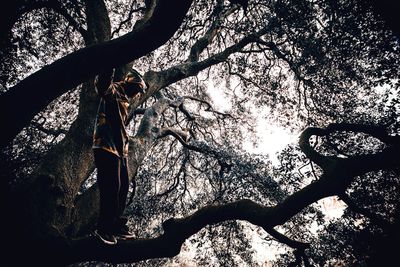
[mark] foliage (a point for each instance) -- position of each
(309, 63)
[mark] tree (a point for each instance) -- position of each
(327, 67)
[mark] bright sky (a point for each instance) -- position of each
(270, 138)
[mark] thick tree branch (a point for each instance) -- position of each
(308, 150)
(36, 91)
(333, 181)
(376, 131)
(162, 79)
(98, 31)
(355, 165)
(176, 231)
(167, 77)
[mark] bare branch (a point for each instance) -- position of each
(211, 33)
(53, 132)
(286, 240)
(128, 19)
(189, 116)
(209, 106)
(181, 135)
(182, 171)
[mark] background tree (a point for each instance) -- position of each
(328, 68)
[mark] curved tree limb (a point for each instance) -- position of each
(333, 181)
(161, 79)
(36, 91)
(308, 150)
(376, 131)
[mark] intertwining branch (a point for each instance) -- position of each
(338, 173)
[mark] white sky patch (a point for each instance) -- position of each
(271, 139)
(332, 207)
(220, 99)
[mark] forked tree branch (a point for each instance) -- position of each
(36, 91)
(336, 178)
(176, 231)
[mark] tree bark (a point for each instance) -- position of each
(36, 91)
(87, 204)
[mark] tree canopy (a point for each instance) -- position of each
(325, 71)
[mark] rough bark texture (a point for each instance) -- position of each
(338, 173)
(50, 194)
(36, 91)
(44, 208)
(49, 211)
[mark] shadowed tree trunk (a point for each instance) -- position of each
(36, 91)
(338, 173)
(50, 217)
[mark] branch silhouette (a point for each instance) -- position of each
(36, 91)
(337, 175)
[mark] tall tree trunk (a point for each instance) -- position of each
(50, 195)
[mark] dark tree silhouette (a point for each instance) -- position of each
(327, 69)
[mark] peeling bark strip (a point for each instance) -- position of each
(36, 91)
(338, 173)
